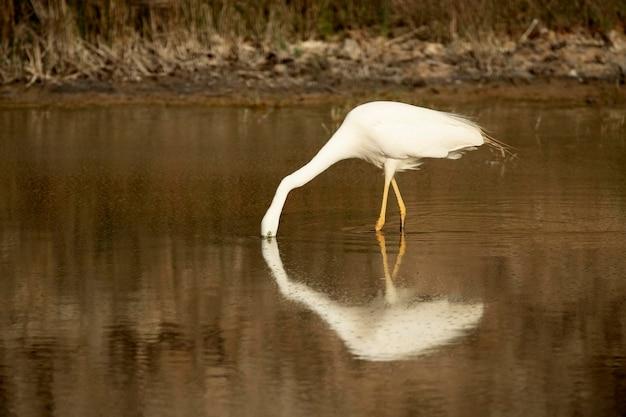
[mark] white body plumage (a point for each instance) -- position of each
(391, 135)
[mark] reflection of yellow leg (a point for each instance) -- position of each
(383, 252)
(390, 290)
(380, 236)
(383, 209)
(401, 252)
(391, 295)
(401, 205)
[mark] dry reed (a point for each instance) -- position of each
(65, 39)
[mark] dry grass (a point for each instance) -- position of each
(63, 39)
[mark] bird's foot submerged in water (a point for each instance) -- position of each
(379, 226)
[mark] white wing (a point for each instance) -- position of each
(401, 131)
(423, 140)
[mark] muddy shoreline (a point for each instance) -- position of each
(184, 92)
(576, 68)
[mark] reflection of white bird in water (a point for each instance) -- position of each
(399, 328)
(393, 136)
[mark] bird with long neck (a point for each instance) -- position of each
(393, 136)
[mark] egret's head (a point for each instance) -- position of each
(269, 224)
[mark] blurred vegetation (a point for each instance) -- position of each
(43, 40)
(276, 20)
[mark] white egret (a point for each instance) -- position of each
(391, 135)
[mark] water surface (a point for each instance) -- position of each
(134, 283)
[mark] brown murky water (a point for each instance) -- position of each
(133, 282)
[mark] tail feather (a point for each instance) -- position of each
(504, 149)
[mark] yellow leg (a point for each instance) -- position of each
(401, 205)
(383, 209)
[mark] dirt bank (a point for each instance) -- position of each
(181, 92)
(540, 65)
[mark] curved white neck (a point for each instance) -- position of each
(336, 149)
